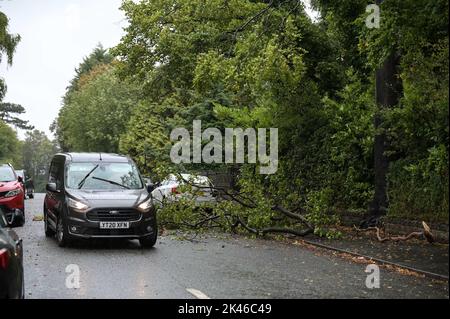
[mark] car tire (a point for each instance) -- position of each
(22, 293)
(19, 221)
(48, 231)
(149, 241)
(62, 235)
(31, 196)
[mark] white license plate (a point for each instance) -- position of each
(114, 225)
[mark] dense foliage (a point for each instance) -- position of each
(10, 146)
(236, 63)
(37, 153)
(97, 107)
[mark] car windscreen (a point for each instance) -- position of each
(103, 176)
(7, 174)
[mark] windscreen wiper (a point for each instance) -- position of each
(111, 182)
(81, 183)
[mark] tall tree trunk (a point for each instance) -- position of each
(388, 92)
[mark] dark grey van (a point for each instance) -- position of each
(98, 195)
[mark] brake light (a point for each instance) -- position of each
(174, 190)
(4, 258)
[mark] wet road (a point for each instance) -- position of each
(215, 267)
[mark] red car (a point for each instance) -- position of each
(11, 195)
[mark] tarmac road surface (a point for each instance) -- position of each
(228, 267)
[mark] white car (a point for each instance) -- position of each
(169, 189)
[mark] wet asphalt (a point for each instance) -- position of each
(217, 266)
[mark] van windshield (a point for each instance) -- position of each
(104, 176)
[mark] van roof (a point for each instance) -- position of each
(95, 157)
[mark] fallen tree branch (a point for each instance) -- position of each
(234, 196)
(292, 215)
(300, 233)
(238, 197)
(264, 231)
(425, 233)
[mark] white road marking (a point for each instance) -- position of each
(197, 293)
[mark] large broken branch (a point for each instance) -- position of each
(249, 203)
(264, 231)
(293, 215)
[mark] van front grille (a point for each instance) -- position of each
(113, 216)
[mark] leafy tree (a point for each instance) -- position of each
(10, 146)
(7, 115)
(145, 139)
(37, 153)
(8, 44)
(8, 41)
(266, 64)
(96, 114)
(97, 57)
(415, 33)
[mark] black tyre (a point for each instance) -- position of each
(149, 241)
(22, 293)
(19, 219)
(31, 196)
(48, 231)
(62, 235)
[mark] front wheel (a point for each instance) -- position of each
(48, 231)
(62, 235)
(22, 293)
(149, 241)
(18, 218)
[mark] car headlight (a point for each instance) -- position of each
(77, 205)
(14, 192)
(146, 205)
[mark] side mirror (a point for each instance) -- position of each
(150, 187)
(51, 187)
(20, 179)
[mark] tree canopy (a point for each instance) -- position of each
(238, 63)
(37, 153)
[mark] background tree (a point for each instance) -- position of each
(8, 44)
(37, 153)
(97, 57)
(96, 107)
(266, 64)
(8, 112)
(10, 146)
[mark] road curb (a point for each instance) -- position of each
(380, 261)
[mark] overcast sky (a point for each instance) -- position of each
(56, 35)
